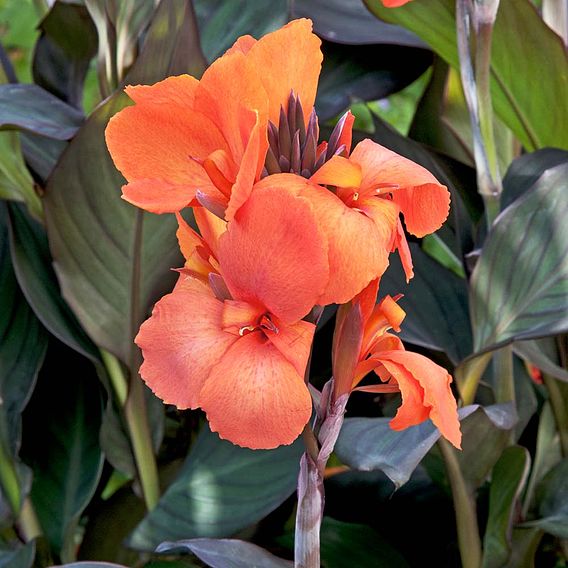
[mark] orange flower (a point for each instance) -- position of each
(230, 338)
(362, 344)
(211, 135)
(376, 184)
(394, 3)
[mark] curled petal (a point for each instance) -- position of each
(426, 393)
(274, 252)
(401, 244)
(423, 201)
(181, 342)
(254, 396)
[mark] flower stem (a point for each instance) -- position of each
(469, 375)
(9, 481)
(504, 376)
(466, 516)
(559, 409)
(28, 524)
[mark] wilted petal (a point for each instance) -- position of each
(254, 396)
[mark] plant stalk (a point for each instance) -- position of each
(559, 410)
(469, 375)
(464, 503)
(504, 375)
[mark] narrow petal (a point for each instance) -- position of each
(194, 249)
(426, 392)
(254, 396)
(288, 59)
(423, 201)
(181, 342)
(274, 252)
(401, 244)
(357, 251)
(210, 227)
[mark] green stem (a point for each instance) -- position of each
(464, 504)
(9, 481)
(28, 524)
(559, 409)
(469, 375)
(116, 376)
(504, 376)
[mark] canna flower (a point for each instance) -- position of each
(230, 338)
(394, 3)
(362, 343)
(186, 140)
(378, 184)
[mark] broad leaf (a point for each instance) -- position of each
(64, 453)
(369, 443)
(22, 557)
(221, 489)
(33, 267)
(519, 287)
(514, 63)
(226, 553)
(33, 109)
(435, 302)
(63, 52)
(507, 481)
(100, 268)
(349, 22)
(552, 502)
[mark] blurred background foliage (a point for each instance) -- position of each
(80, 435)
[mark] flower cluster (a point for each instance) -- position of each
(286, 223)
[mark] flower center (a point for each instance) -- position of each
(264, 324)
(293, 147)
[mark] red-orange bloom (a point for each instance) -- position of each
(184, 135)
(394, 3)
(363, 344)
(230, 338)
(377, 184)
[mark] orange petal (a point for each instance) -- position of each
(401, 244)
(273, 252)
(243, 44)
(288, 59)
(339, 171)
(155, 140)
(181, 342)
(178, 90)
(426, 392)
(394, 3)
(249, 169)
(238, 315)
(231, 93)
(210, 227)
(158, 195)
(423, 201)
(254, 396)
(194, 250)
(294, 342)
(357, 252)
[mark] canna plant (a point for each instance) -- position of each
(357, 316)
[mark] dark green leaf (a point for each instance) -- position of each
(33, 266)
(221, 23)
(23, 343)
(349, 22)
(515, 62)
(33, 109)
(519, 287)
(353, 72)
(369, 443)
(524, 172)
(542, 353)
(63, 52)
(347, 545)
(507, 481)
(525, 544)
(221, 489)
(226, 553)
(41, 153)
(95, 267)
(22, 557)
(552, 502)
(436, 305)
(64, 453)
